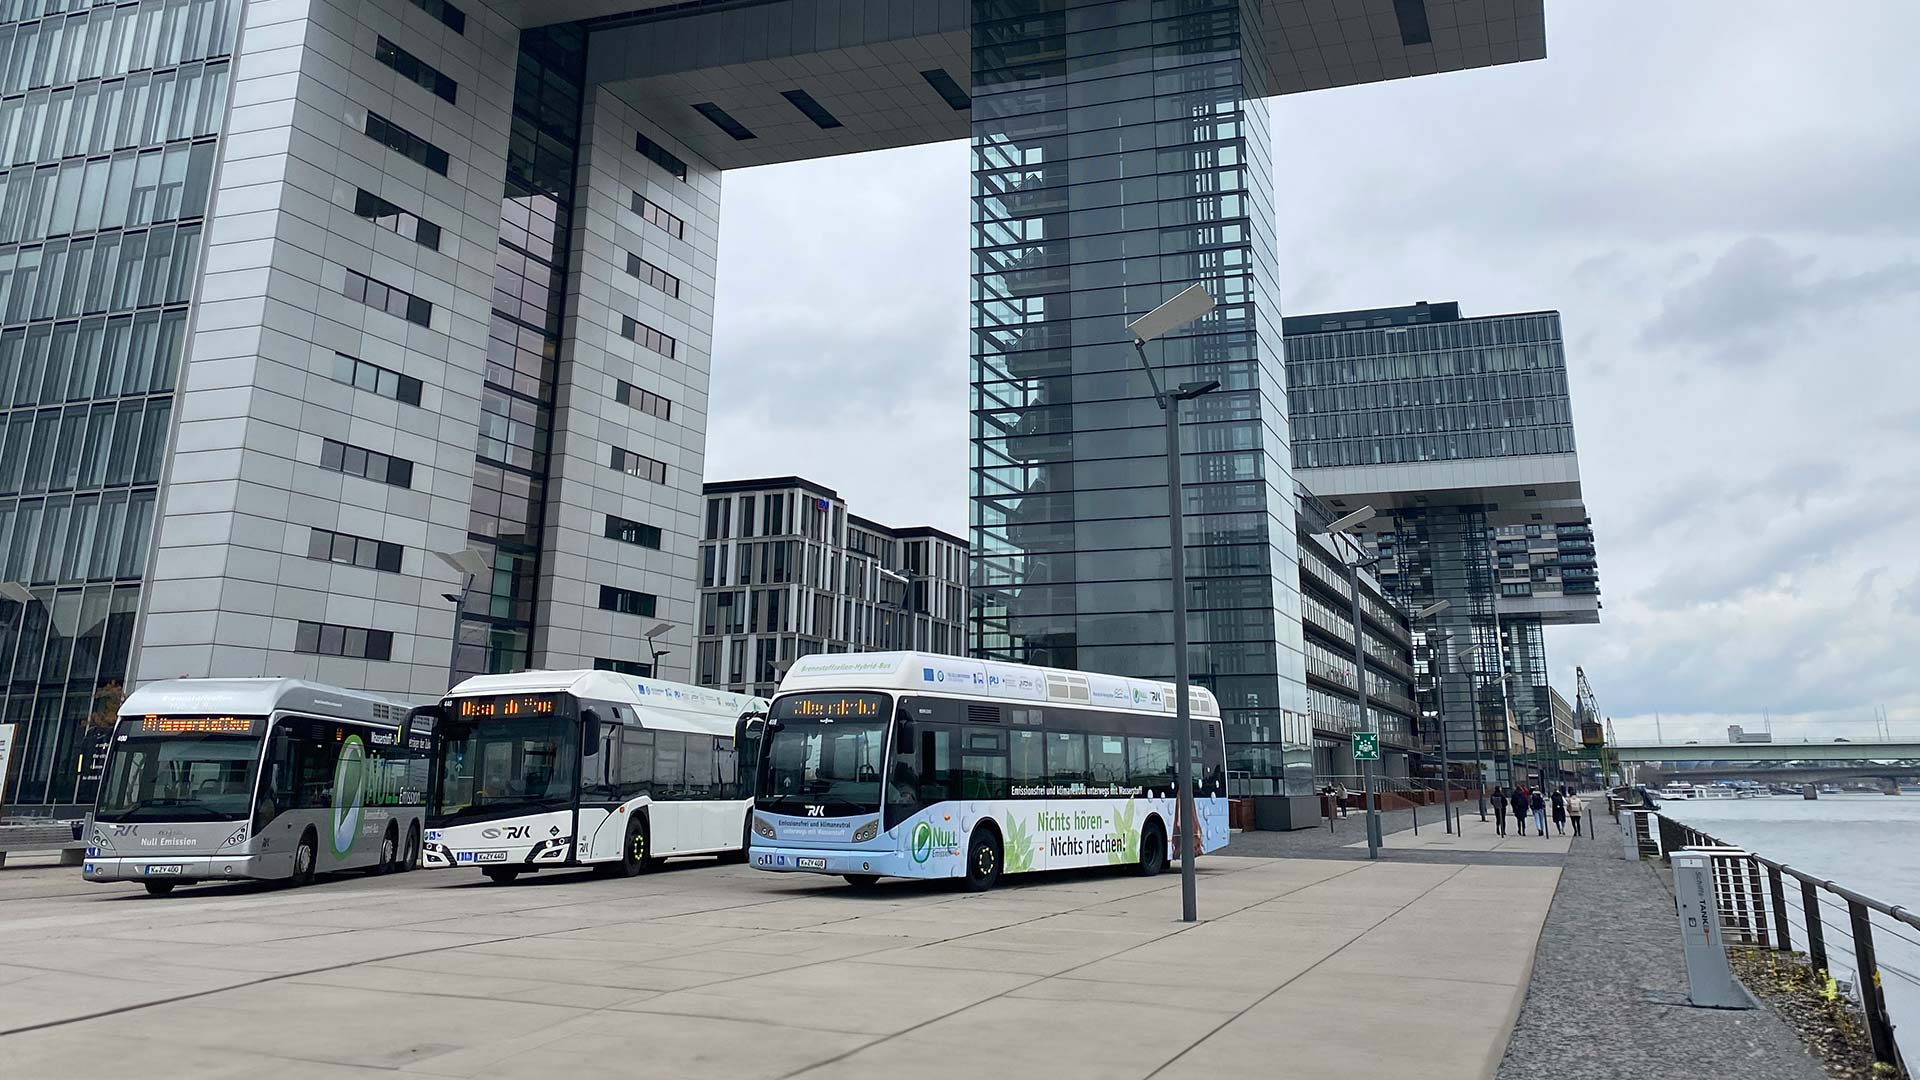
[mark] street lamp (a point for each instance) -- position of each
(469, 564)
(1338, 527)
(652, 634)
(1446, 767)
(1186, 308)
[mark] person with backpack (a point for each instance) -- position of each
(1575, 808)
(1560, 812)
(1539, 806)
(1520, 810)
(1499, 798)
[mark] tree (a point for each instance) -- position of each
(106, 706)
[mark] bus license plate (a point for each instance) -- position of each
(154, 868)
(810, 864)
(489, 856)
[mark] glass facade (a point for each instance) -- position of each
(109, 122)
(1121, 151)
(529, 298)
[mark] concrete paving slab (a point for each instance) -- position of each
(1475, 835)
(847, 996)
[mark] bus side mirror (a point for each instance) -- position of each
(907, 736)
(589, 732)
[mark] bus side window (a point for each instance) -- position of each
(319, 756)
(1066, 758)
(1106, 758)
(1150, 763)
(277, 777)
(636, 763)
(1029, 768)
(699, 784)
(726, 764)
(669, 765)
(983, 764)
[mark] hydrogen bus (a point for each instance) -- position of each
(548, 769)
(275, 779)
(915, 765)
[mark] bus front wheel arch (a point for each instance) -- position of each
(984, 858)
(306, 858)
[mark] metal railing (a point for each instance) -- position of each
(1769, 905)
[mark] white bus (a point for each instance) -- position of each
(279, 779)
(916, 765)
(547, 769)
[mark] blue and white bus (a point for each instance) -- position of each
(915, 765)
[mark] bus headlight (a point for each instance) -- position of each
(866, 832)
(239, 837)
(762, 828)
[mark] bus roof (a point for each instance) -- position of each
(958, 676)
(259, 697)
(698, 706)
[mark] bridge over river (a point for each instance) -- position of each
(1888, 760)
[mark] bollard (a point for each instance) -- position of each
(1872, 1000)
(1710, 981)
(1630, 842)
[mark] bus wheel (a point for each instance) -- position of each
(862, 882)
(160, 888)
(1153, 848)
(411, 858)
(983, 861)
(304, 859)
(389, 853)
(636, 856)
(500, 875)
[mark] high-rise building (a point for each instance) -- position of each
(786, 571)
(313, 315)
(1458, 432)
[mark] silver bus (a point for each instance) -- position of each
(273, 779)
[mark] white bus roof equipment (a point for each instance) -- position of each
(958, 675)
(677, 705)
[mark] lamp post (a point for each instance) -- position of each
(469, 563)
(653, 648)
(1338, 527)
(1446, 769)
(1186, 308)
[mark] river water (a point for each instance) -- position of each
(1868, 843)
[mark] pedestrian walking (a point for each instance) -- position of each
(1340, 796)
(1575, 808)
(1499, 798)
(1539, 806)
(1520, 811)
(1560, 812)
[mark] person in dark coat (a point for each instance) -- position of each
(1539, 806)
(1560, 812)
(1520, 811)
(1499, 798)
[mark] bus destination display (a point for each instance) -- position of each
(199, 725)
(836, 706)
(509, 705)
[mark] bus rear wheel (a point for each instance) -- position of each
(500, 875)
(1153, 849)
(389, 853)
(983, 861)
(411, 857)
(160, 888)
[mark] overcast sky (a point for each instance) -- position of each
(1721, 198)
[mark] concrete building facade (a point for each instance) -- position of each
(786, 572)
(317, 313)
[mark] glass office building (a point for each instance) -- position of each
(318, 319)
(1458, 431)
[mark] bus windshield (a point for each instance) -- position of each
(191, 777)
(824, 750)
(499, 765)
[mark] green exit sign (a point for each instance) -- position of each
(1366, 746)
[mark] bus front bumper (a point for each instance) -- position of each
(180, 868)
(791, 860)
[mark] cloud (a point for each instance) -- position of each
(1758, 295)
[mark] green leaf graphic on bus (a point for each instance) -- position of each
(1128, 850)
(1020, 846)
(349, 793)
(926, 838)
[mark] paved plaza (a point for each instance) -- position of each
(705, 970)
(1476, 835)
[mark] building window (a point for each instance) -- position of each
(660, 156)
(633, 532)
(329, 639)
(371, 464)
(811, 109)
(653, 275)
(353, 551)
(623, 667)
(636, 331)
(949, 90)
(645, 400)
(639, 465)
(384, 297)
(723, 120)
(415, 70)
(395, 220)
(627, 601)
(406, 143)
(455, 19)
(656, 214)
(373, 378)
